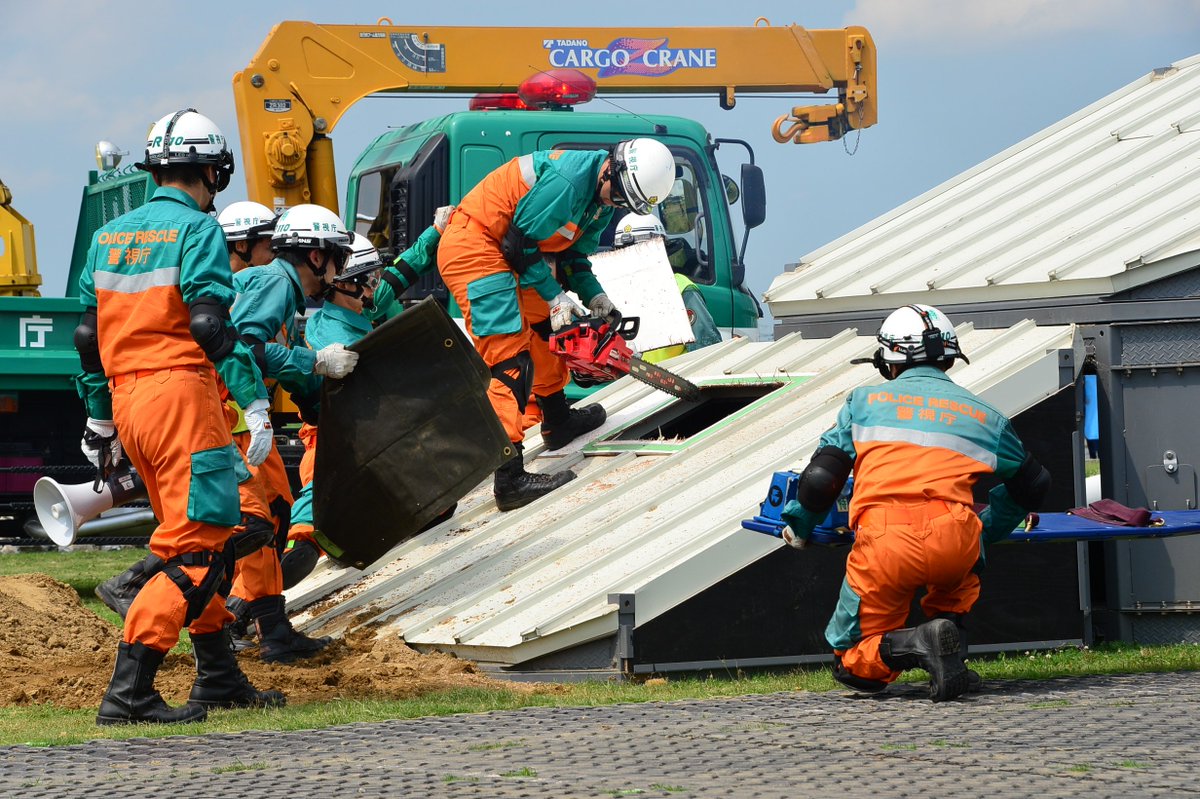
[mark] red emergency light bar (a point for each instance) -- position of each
(557, 88)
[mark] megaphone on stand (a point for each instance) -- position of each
(66, 512)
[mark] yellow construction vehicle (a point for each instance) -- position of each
(306, 76)
(18, 260)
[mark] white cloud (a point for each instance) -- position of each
(957, 26)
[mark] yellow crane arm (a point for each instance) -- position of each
(306, 76)
(18, 256)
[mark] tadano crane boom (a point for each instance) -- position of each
(306, 76)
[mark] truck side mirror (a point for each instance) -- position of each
(754, 196)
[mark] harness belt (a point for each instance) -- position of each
(522, 384)
(217, 580)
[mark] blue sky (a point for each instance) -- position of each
(958, 82)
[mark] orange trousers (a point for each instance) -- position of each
(164, 417)
(898, 549)
(303, 531)
(258, 574)
(465, 255)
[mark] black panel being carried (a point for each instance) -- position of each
(403, 437)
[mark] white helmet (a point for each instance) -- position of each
(310, 227)
(246, 220)
(645, 172)
(637, 227)
(364, 259)
(188, 137)
(917, 334)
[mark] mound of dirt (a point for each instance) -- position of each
(53, 649)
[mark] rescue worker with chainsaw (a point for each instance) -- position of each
(153, 339)
(492, 259)
(342, 319)
(916, 444)
(311, 246)
(646, 227)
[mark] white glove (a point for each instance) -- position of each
(258, 422)
(100, 443)
(335, 361)
(792, 540)
(564, 311)
(601, 307)
(441, 217)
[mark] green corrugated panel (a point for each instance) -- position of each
(106, 197)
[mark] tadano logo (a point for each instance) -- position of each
(34, 330)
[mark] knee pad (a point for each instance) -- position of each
(856, 683)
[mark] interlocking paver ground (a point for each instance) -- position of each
(1122, 736)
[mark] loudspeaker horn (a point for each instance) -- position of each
(63, 509)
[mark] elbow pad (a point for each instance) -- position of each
(87, 344)
(1029, 486)
(823, 479)
(210, 327)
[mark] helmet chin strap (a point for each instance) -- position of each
(319, 273)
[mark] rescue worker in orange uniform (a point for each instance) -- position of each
(156, 291)
(492, 259)
(247, 227)
(311, 246)
(341, 319)
(917, 445)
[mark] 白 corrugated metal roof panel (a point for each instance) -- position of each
(1091, 205)
(507, 587)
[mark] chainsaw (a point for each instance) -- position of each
(598, 351)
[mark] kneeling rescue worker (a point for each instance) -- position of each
(154, 336)
(917, 445)
(491, 258)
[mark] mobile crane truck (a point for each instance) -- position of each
(528, 83)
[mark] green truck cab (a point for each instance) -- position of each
(405, 174)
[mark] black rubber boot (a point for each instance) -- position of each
(974, 681)
(220, 681)
(298, 562)
(131, 698)
(514, 487)
(240, 628)
(933, 646)
(118, 592)
(278, 641)
(561, 424)
(860, 684)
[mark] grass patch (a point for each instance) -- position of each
(82, 570)
(239, 766)
(524, 771)
(496, 745)
(894, 747)
(951, 744)
(448, 778)
(1081, 768)
(669, 788)
(1050, 703)
(1133, 764)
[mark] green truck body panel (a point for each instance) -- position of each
(477, 142)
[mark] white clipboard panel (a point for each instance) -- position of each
(639, 281)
